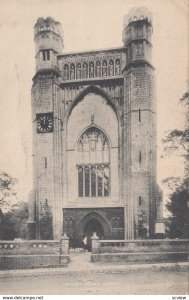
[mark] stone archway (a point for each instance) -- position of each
(93, 222)
(93, 226)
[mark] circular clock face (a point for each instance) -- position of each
(45, 123)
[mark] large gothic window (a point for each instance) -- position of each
(93, 164)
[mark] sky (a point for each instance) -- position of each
(87, 25)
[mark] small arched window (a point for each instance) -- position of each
(93, 164)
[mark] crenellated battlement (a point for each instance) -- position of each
(137, 34)
(138, 14)
(48, 37)
(48, 24)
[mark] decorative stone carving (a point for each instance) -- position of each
(111, 68)
(104, 68)
(91, 66)
(98, 69)
(117, 67)
(66, 72)
(85, 70)
(72, 72)
(91, 70)
(78, 71)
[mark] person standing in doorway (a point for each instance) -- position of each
(85, 243)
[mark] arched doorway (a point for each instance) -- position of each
(90, 223)
(92, 226)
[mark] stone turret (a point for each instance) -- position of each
(48, 38)
(137, 33)
(139, 125)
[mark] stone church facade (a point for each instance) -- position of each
(94, 136)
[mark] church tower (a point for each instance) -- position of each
(48, 38)
(139, 133)
(94, 137)
(48, 44)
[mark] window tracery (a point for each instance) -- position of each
(93, 164)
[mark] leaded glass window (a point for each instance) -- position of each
(93, 164)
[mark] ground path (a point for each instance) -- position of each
(83, 277)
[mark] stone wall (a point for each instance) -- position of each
(139, 251)
(34, 254)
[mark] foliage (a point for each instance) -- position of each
(13, 222)
(172, 182)
(6, 190)
(177, 141)
(178, 205)
(13, 213)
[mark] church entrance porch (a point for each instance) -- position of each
(92, 226)
(108, 223)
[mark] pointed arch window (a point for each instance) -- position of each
(93, 164)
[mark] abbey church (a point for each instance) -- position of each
(94, 136)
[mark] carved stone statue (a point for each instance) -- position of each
(85, 70)
(72, 72)
(78, 71)
(98, 69)
(104, 69)
(117, 67)
(91, 70)
(66, 73)
(111, 68)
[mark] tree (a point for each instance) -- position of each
(177, 142)
(14, 222)
(6, 190)
(178, 205)
(13, 212)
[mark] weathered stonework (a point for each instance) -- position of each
(111, 90)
